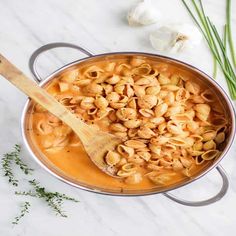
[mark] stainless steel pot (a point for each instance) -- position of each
(42, 160)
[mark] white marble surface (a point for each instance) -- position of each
(101, 27)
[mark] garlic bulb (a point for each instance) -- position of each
(175, 38)
(143, 14)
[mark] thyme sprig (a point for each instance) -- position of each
(7, 160)
(54, 200)
(24, 210)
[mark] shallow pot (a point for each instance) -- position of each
(40, 158)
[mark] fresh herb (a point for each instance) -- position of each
(217, 45)
(53, 199)
(24, 210)
(7, 160)
(22, 165)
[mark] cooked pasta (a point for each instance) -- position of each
(169, 124)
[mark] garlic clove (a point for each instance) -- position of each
(175, 38)
(143, 14)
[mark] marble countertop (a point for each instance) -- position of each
(101, 27)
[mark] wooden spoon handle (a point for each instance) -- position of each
(39, 95)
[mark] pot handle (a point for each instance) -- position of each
(46, 47)
(217, 197)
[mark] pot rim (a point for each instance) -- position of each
(149, 191)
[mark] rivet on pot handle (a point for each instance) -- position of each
(34, 56)
(217, 197)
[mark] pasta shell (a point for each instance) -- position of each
(219, 121)
(182, 95)
(118, 127)
(186, 161)
(94, 89)
(177, 165)
(147, 101)
(123, 173)
(163, 80)
(136, 61)
(101, 102)
(209, 145)
(125, 114)
(162, 179)
(155, 149)
(197, 146)
(102, 113)
(192, 87)
(139, 90)
(153, 90)
(61, 131)
(196, 99)
(110, 66)
(210, 154)
(194, 152)
(93, 72)
(129, 167)
(132, 103)
(70, 76)
(113, 80)
(63, 86)
(192, 126)
(125, 151)
(170, 87)
(135, 144)
(177, 141)
(61, 141)
(220, 137)
(208, 96)
(112, 158)
(44, 128)
(145, 133)
(107, 88)
(160, 140)
(174, 79)
(209, 135)
(199, 160)
(82, 82)
(117, 105)
(53, 120)
(143, 69)
(144, 155)
(122, 135)
(203, 109)
(161, 109)
(132, 132)
(173, 127)
(136, 159)
(146, 112)
(87, 103)
(132, 123)
(181, 117)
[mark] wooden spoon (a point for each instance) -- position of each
(96, 143)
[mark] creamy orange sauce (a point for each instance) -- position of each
(73, 160)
